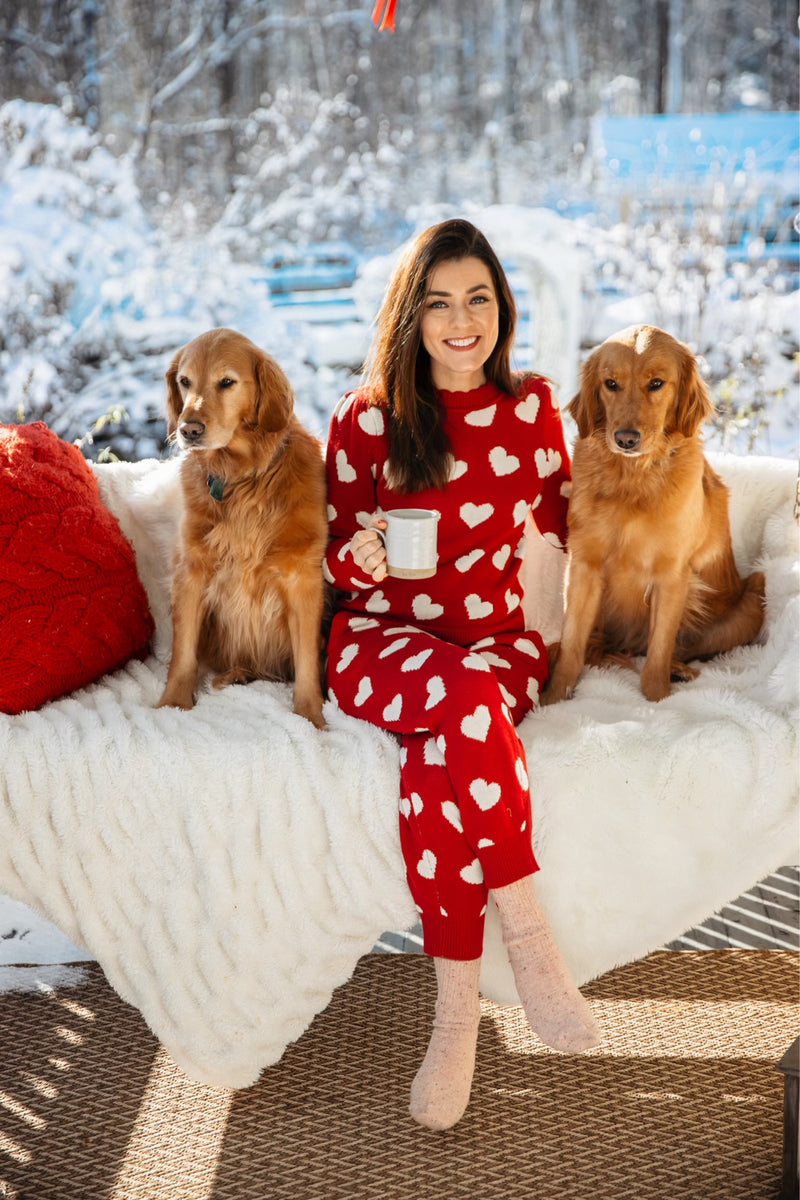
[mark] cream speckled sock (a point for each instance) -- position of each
(441, 1088)
(556, 1010)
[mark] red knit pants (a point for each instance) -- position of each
(465, 807)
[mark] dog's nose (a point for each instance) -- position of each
(627, 439)
(192, 431)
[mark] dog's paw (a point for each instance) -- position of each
(174, 699)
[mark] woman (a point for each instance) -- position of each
(445, 662)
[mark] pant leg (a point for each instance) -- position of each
(465, 821)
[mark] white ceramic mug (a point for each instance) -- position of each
(410, 541)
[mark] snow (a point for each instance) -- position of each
(95, 299)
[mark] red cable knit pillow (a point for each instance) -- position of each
(72, 606)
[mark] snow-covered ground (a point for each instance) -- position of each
(94, 300)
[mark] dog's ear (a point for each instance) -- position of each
(174, 397)
(274, 400)
(586, 408)
(693, 404)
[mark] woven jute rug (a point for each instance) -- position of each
(682, 1101)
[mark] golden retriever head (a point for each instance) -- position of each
(221, 388)
(638, 388)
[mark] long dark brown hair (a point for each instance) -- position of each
(399, 370)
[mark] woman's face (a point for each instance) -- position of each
(459, 324)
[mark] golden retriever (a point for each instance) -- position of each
(247, 591)
(651, 570)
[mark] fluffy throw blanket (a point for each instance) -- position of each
(227, 867)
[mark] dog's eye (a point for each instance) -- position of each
(612, 385)
(226, 383)
(655, 384)
(183, 381)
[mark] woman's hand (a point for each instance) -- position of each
(369, 551)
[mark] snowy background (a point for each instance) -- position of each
(95, 298)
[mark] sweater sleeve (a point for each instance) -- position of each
(554, 469)
(356, 439)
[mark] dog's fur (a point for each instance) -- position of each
(248, 591)
(651, 569)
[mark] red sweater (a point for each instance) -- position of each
(510, 458)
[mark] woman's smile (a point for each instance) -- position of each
(460, 323)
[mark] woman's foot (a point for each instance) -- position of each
(441, 1089)
(556, 1010)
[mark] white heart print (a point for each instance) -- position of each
(477, 608)
(436, 691)
(364, 691)
(377, 602)
(458, 469)
(547, 462)
(473, 873)
(426, 609)
(477, 724)
(344, 471)
(528, 409)
(347, 656)
(522, 774)
(468, 560)
(485, 795)
(482, 417)
(452, 813)
(393, 709)
(397, 644)
(371, 420)
(502, 462)
(415, 662)
(501, 556)
(474, 514)
(426, 866)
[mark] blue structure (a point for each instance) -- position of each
(697, 149)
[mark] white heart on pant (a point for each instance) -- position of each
(347, 656)
(452, 813)
(494, 659)
(416, 803)
(397, 644)
(477, 724)
(377, 602)
(502, 462)
(476, 663)
(393, 709)
(415, 662)
(527, 647)
(485, 795)
(522, 774)
(405, 806)
(474, 514)
(432, 754)
(426, 609)
(484, 842)
(426, 866)
(512, 600)
(510, 700)
(528, 409)
(477, 608)
(344, 471)
(364, 691)
(473, 873)
(436, 691)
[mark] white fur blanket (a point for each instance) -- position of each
(228, 866)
